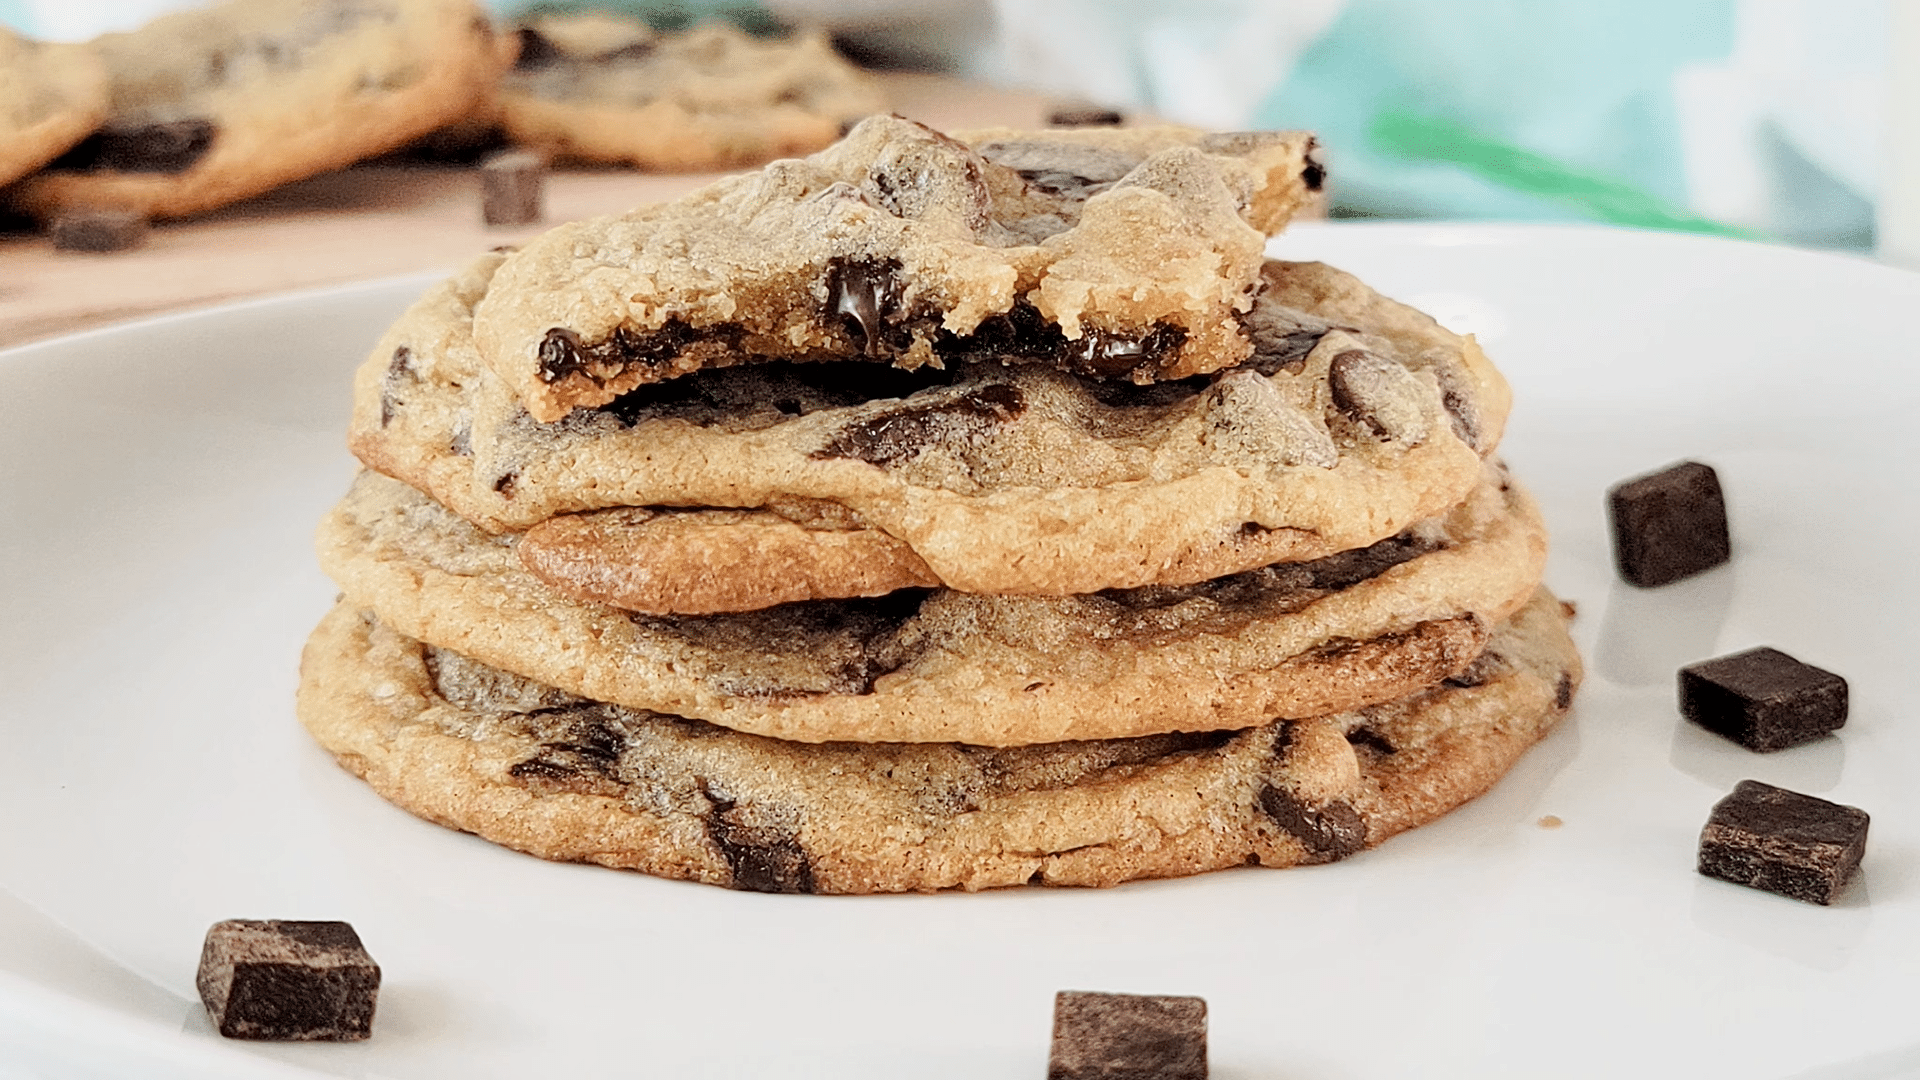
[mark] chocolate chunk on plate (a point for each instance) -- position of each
(512, 188)
(1080, 115)
(98, 230)
(1784, 842)
(288, 981)
(1669, 525)
(1128, 1037)
(1763, 699)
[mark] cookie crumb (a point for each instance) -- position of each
(1550, 821)
(1128, 1037)
(512, 188)
(98, 231)
(288, 981)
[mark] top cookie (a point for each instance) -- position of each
(215, 105)
(1355, 417)
(50, 97)
(598, 87)
(1114, 253)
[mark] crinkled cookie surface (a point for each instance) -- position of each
(595, 86)
(51, 96)
(918, 665)
(1353, 418)
(562, 777)
(1128, 253)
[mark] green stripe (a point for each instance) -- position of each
(1427, 138)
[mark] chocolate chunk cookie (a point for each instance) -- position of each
(563, 777)
(50, 97)
(918, 665)
(1353, 418)
(1129, 253)
(213, 105)
(593, 86)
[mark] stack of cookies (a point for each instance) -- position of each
(935, 512)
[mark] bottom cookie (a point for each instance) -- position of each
(561, 777)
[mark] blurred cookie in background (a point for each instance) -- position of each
(51, 96)
(210, 106)
(606, 88)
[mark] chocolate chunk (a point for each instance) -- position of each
(398, 368)
(1377, 394)
(1282, 337)
(829, 646)
(1372, 740)
(584, 757)
(865, 295)
(1784, 842)
(288, 981)
(762, 857)
(1085, 116)
(98, 230)
(1668, 525)
(1329, 832)
(1314, 176)
(149, 148)
(563, 352)
(1458, 401)
(512, 187)
(536, 51)
(1128, 1037)
(763, 393)
(1763, 699)
(905, 432)
(1023, 334)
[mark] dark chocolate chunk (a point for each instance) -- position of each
(1315, 174)
(536, 51)
(832, 646)
(288, 981)
(1783, 842)
(398, 368)
(1372, 740)
(512, 188)
(1668, 525)
(865, 295)
(1085, 116)
(764, 393)
(563, 352)
(98, 230)
(1763, 699)
(1330, 832)
(762, 857)
(1128, 1037)
(170, 147)
(904, 432)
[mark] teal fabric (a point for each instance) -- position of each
(14, 13)
(1585, 88)
(663, 14)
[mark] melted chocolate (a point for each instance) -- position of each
(1330, 832)
(864, 295)
(762, 858)
(563, 353)
(171, 147)
(904, 432)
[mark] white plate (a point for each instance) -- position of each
(161, 480)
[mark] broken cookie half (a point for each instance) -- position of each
(1121, 253)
